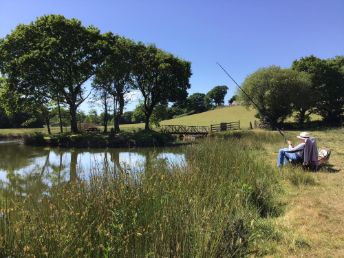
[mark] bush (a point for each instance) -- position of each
(36, 139)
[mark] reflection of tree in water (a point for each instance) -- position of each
(32, 170)
(56, 171)
(73, 166)
(15, 156)
(24, 175)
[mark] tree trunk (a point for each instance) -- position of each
(116, 123)
(147, 118)
(59, 111)
(73, 120)
(47, 122)
(114, 113)
(105, 121)
(118, 114)
(301, 117)
(60, 169)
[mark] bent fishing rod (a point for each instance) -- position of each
(265, 117)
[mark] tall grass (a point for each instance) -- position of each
(208, 208)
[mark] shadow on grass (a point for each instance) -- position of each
(328, 168)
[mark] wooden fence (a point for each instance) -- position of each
(225, 127)
(184, 129)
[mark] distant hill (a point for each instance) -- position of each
(224, 114)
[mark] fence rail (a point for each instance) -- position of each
(225, 127)
(184, 129)
(202, 130)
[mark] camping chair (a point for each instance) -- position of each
(312, 158)
(324, 156)
(310, 155)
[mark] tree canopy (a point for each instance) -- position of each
(114, 75)
(327, 77)
(160, 77)
(195, 103)
(216, 96)
(52, 56)
(274, 90)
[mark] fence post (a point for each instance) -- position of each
(223, 127)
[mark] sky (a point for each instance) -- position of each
(241, 35)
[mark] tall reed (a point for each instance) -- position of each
(207, 208)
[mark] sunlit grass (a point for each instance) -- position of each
(218, 115)
(226, 194)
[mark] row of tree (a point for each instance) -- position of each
(193, 104)
(200, 102)
(311, 86)
(47, 62)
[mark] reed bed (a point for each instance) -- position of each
(210, 207)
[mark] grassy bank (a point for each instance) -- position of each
(224, 202)
(225, 114)
(216, 116)
(138, 138)
(217, 205)
(312, 225)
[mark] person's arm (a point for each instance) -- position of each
(290, 144)
(297, 148)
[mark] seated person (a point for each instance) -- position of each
(293, 153)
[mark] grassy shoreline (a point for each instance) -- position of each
(230, 192)
(217, 205)
(139, 138)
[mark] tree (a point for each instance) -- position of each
(103, 99)
(195, 103)
(61, 117)
(160, 77)
(160, 113)
(138, 115)
(81, 116)
(232, 99)
(114, 74)
(53, 56)
(327, 78)
(208, 102)
(217, 95)
(127, 117)
(92, 117)
(273, 90)
(21, 110)
(304, 100)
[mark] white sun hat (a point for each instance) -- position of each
(304, 135)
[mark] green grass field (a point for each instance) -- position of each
(216, 116)
(225, 114)
(311, 225)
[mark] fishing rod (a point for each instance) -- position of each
(265, 117)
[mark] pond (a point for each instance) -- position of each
(20, 164)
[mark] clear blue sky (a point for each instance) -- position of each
(242, 35)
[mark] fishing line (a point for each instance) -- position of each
(265, 117)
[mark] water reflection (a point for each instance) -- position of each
(24, 167)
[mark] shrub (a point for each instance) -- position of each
(36, 139)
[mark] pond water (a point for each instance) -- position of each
(19, 163)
